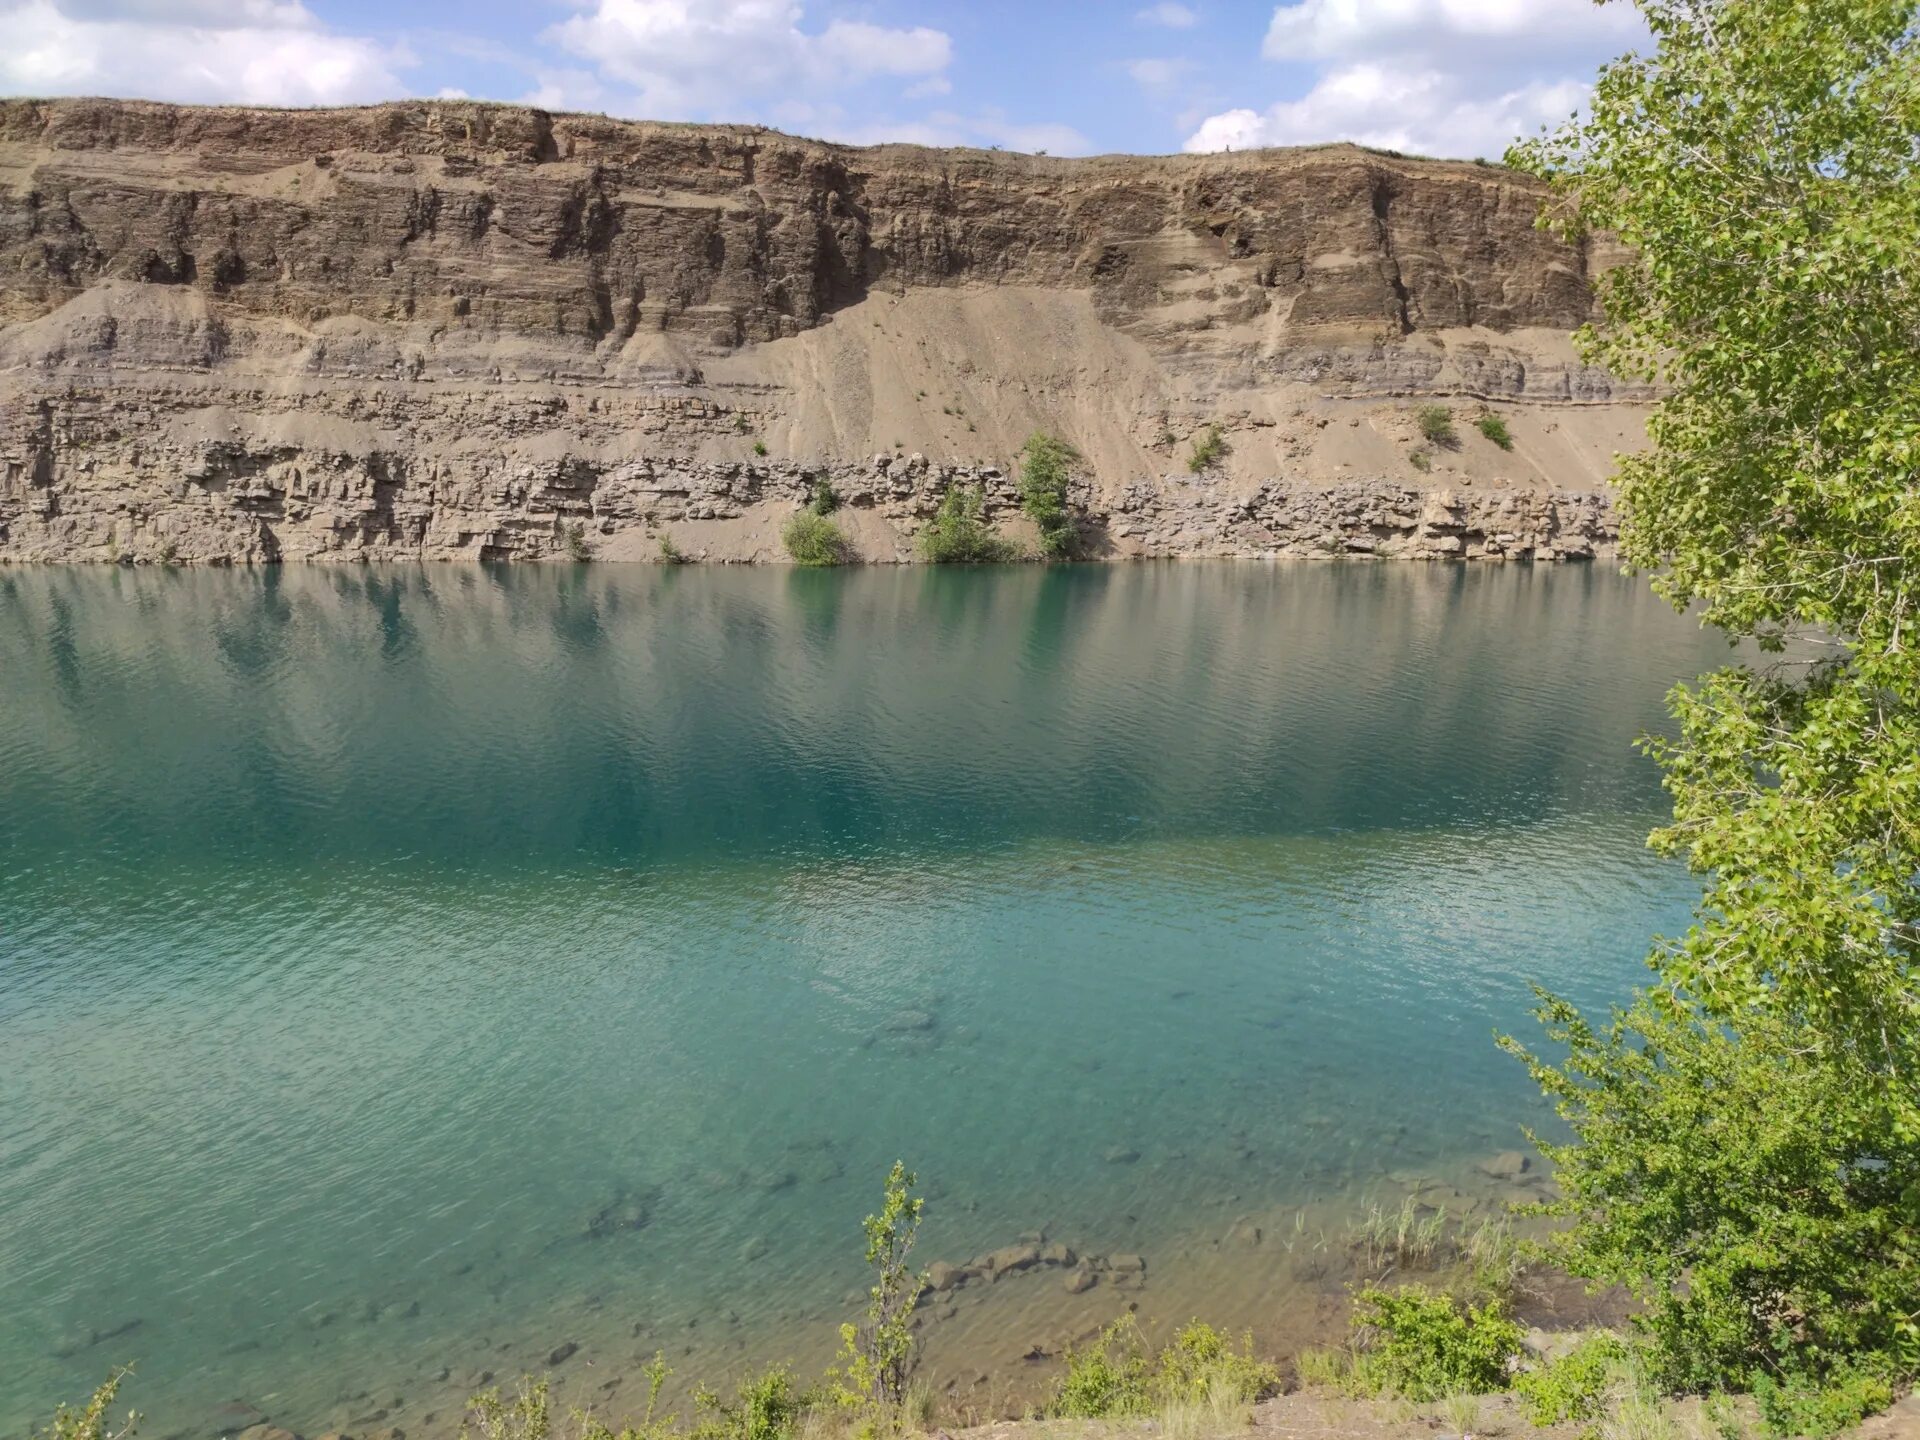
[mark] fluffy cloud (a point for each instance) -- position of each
(268, 52)
(1442, 77)
(720, 58)
(1172, 16)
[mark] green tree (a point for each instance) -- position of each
(877, 1354)
(1045, 464)
(959, 534)
(1751, 1125)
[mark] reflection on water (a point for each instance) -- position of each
(404, 971)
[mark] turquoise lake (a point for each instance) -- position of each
(407, 972)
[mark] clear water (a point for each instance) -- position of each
(365, 934)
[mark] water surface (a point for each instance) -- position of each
(405, 971)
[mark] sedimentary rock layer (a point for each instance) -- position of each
(446, 329)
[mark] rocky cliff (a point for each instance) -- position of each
(448, 329)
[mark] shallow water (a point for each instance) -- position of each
(366, 934)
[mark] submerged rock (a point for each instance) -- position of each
(1507, 1165)
(563, 1353)
(1012, 1258)
(628, 1210)
(941, 1276)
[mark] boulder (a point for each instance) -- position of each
(942, 1277)
(1507, 1165)
(1011, 1258)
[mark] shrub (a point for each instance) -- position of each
(1436, 425)
(1574, 1386)
(1801, 1404)
(877, 1354)
(813, 539)
(1044, 465)
(1423, 1345)
(1118, 1376)
(671, 553)
(90, 1421)
(769, 1408)
(1495, 429)
(1208, 446)
(1421, 459)
(760, 447)
(823, 500)
(958, 533)
(575, 539)
(527, 1416)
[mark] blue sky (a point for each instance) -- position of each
(1447, 77)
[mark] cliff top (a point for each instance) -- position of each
(404, 127)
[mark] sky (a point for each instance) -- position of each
(1434, 77)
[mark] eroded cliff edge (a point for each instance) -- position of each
(445, 329)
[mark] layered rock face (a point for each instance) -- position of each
(447, 329)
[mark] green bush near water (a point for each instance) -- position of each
(814, 540)
(1421, 1345)
(1574, 1386)
(1045, 463)
(958, 534)
(1119, 1376)
(1816, 1406)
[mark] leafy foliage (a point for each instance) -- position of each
(1494, 427)
(1753, 1121)
(812, 539)
(91, 1421)
(1573, 1386)
(1436, 425)
(1795, 1404)
(1423, 1344)
(1044, 471)
(670, 551)
(765, 1407)
(877, 1354)
(1119, 1376)
(958, 533)
(1208, 448)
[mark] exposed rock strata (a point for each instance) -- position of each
(449, 330)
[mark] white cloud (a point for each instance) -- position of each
(1480, 32)
(1439, 77)
(266, 52)
(1160, 77)
(687, 60)
(1169, 15)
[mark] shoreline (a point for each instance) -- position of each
(991, 1333)
(881, 514)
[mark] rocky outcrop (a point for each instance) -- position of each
(456, 330)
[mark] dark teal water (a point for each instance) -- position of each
(366, 933)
